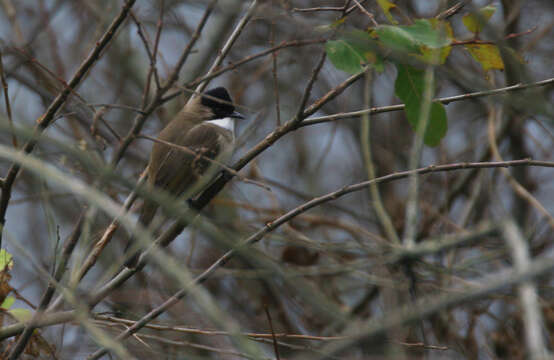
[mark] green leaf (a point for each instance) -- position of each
(475, 22)
(488, 55)
(428, 33)
(344, 56)
(8, 302)
(411, 38)
(433, 55)
(397, 39)
(409, 87)
(5, 260)
(352, 52)
(438, 125)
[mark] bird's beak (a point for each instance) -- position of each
(237, 115)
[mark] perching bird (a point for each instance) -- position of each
(205, 125)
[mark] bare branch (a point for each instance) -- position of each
(444, 100)
(528, 297)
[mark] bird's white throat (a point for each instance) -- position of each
(226, 123)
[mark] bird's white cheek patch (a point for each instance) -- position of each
(226, 123)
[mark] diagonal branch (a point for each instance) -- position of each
(228, 44)
(271, 138)
(527, 291)
(444, 100)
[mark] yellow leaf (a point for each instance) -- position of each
(386, 6)
(434, 56)
(487, 55)
(8, 302)
(5, 260)
(475, 22)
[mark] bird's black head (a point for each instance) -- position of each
(219, 101)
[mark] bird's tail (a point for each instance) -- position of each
(147, 213)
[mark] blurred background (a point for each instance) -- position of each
(325, 270)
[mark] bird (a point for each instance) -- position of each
(205, 125)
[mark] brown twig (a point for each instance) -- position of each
(159, 27)
(450, 11)
(445, 100)
(118, 106)
(203, 157)
(273, 337)
(321, 8)
(479, 41)
(329, 8)
(232, 66)
(152, 71)
(308, 90)
(519, 189)
(367, 13)
(275, 77)
(7, 100)
(244, 20)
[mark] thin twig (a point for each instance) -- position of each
(7, 100)
(475, 40)
(275, 77)
(308, 90)
(146, 42)
(321, 8)
(159, 27)
(118, 106)
(444, 100)
(232, 66)
(204, 157)
(186, 330)
(228, 44)
(367, 13)
(273, 337)
(450, 11)
(519, 189)
(329, 8)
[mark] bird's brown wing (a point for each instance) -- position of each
(180, 169)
